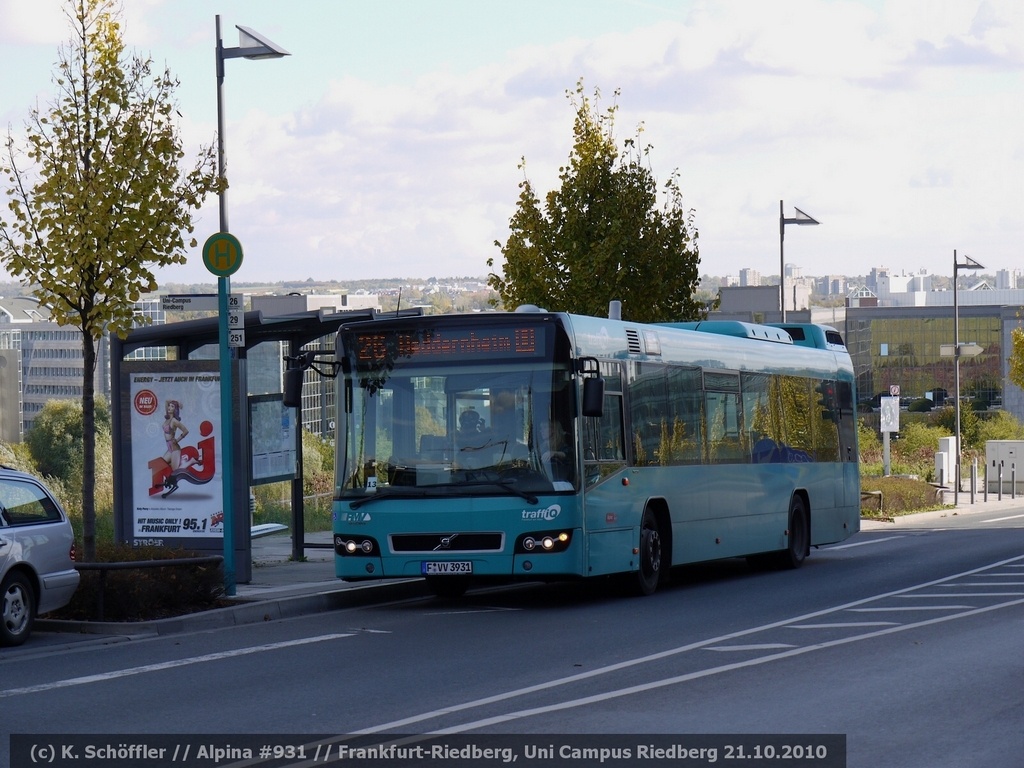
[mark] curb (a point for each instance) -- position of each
(963, 510)
(246, 611)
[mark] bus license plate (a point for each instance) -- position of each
(446, 568)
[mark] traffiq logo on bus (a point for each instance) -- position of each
(548, 513)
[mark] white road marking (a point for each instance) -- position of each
(863, 543)
(845, 625)
(882, 609)
(164, 665)
(568, 680)
(655, 684)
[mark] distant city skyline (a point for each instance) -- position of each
(1012, 275)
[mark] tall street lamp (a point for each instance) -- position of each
(958, 350)
(251, 45)
(802, 219)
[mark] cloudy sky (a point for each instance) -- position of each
(388, 143)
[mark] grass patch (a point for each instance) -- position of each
(900, 496)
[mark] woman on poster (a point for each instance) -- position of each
(174, 432)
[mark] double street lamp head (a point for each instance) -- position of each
(801, 219)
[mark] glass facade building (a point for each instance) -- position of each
(903, 346)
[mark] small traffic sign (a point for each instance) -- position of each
(222, 254)
(189, 302)
(890, 417)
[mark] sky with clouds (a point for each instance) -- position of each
(387, 145)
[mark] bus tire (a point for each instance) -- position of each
(798, 535)
(648, 573)
(448, 587)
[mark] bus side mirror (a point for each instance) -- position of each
(293, 386)
(593, 397)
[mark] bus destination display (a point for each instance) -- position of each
(452, 344)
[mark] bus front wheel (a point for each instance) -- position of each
(648, 573)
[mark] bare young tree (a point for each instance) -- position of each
(98, 198)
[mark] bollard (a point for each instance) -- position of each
(1000, 496)
(974, 480)
(1013, 480)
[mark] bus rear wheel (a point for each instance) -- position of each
(799, 538)
(648, 573)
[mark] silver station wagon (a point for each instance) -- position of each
(37, 555)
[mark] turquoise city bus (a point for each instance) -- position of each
(535, 445)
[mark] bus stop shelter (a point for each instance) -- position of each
(169, 492)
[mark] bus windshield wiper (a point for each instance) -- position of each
(505, 484)
(390, 494)
(380, 494)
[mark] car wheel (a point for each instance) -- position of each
(17, 609)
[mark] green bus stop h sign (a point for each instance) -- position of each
(222, 254)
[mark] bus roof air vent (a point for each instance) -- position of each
(633, 345)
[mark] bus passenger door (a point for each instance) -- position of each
(609, 524)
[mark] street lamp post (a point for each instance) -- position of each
(251, 46)
(968, 263)
(801, 219)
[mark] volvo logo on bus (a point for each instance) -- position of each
(549, 513)
(446, 542)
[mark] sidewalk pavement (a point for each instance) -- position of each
(280, 588)
(283, 588)
(963, 507)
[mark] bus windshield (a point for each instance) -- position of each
(418, 421)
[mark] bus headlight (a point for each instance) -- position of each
(355, 545)
(545, 541)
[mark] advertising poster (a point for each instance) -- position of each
(176, 455)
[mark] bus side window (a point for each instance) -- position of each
(725, 443)
(603, 447)
(611, 447)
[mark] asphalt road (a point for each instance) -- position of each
(905, 641)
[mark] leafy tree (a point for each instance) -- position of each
(58, 433)
(102, 200)
(970, 424)
(17, 456)
(1000, 425)
(602, 235)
